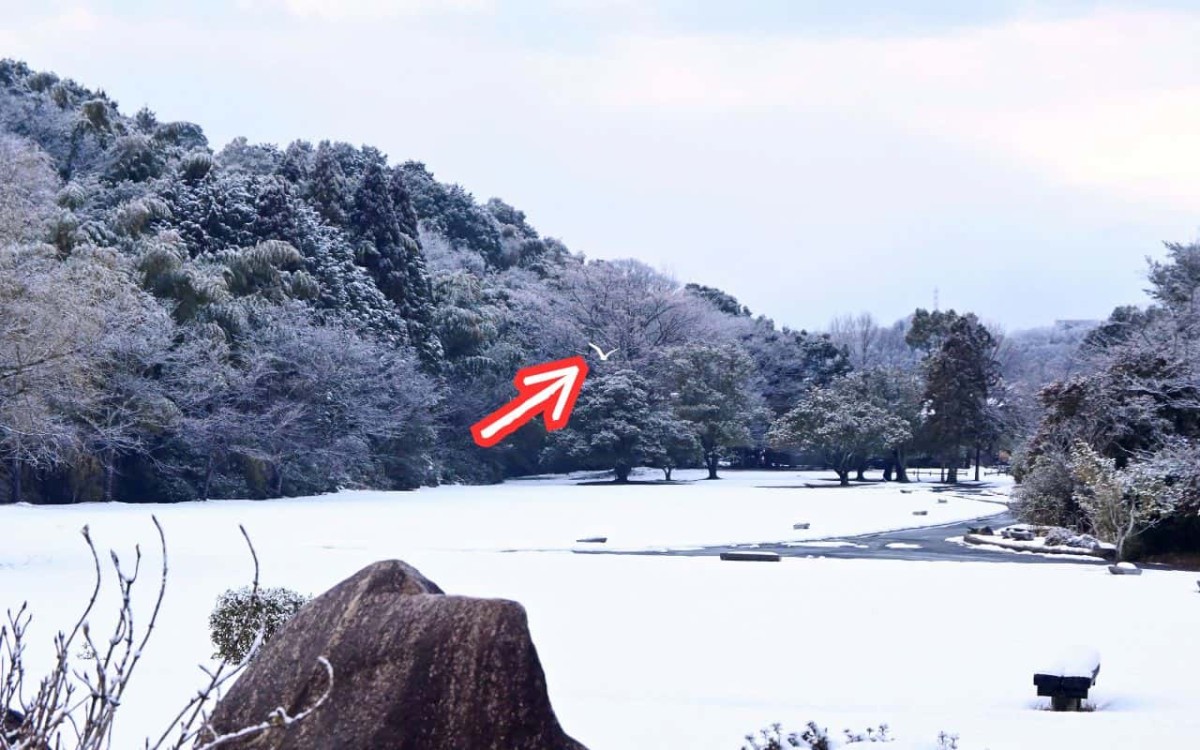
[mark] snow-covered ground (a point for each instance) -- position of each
(680, 652)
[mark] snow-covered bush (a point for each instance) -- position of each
(1060, 537)
(772, 738)
(240, 613)
(1046, 493)
(871, 734)
(1120, 504)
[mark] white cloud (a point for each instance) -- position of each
(369, 9)
(792, 171)
(1108, 101)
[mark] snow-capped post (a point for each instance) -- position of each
(1067, 677)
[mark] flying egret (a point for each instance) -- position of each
(603, 356)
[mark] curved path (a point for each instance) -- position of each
(921, 544)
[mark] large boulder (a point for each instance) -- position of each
(414, 669)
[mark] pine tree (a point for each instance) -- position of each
(392, 257)
(296, 162)
(841, 425)
(616, 424)
(709, 391)
(406, 214)
(329, 189)
(961, 375)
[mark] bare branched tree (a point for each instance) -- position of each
(74, 708)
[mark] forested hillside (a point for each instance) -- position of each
(179, 321)
(182, 322)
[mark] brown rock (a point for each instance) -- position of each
(414, 669)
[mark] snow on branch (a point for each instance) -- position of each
(74, 708)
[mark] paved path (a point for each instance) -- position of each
(923, 544)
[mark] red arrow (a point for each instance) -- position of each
(538, 385)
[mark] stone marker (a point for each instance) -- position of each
(800, 526)
(942, 501)
(751, 556)
(1125, 569)
(920, 512)
(592, 540)
(414, 669)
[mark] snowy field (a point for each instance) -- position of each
(678, 652)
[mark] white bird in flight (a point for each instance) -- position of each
(603, 356)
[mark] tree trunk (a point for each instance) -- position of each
(952, 474)
(843, 477)
(208, 472)
(977, 463)
(901, 465)
(622, 472)
(860, 477)
(14, 493)
(110, 473)
(279, 480)
(667, 472)
(711, 460)
(887, 471)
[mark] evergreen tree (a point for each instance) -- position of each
(616, 424)
(840, 425)
(962, 380)
(296, 162)
(393, 258)
(708, 388)
(328, 188)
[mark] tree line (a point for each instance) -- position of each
(179, 322)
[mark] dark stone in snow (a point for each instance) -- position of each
(920, 512)
(592, 540)
(751, 556)
(1118, 570)
(800, 526)
(414, 669)
(1021, 535)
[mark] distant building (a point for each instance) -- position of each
(1074, 324)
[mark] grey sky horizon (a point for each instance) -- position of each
(1022, 158)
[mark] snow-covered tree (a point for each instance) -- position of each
(1119, 504)
(628, 306)
(962, 408)
(392, 257)
(709, 387)
(677, 446)
(59, 320)
(840, 425)
(27, 188)
(616, 424)
(329, 189)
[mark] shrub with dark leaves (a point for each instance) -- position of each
(240, 614)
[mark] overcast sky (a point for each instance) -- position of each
(811, 158)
